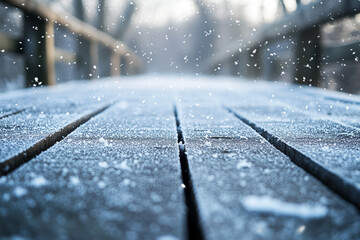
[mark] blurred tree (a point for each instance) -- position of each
(124, 22)
(283, 6)
(206, 33)
(78, 6)
(101, 14)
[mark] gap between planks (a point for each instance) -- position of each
(337, 184)
(14, 162)
(12, 113)
(194, 229)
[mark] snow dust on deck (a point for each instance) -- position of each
(170, 157)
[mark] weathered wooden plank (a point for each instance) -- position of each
(247, 189)
(328, 150)
(244, 187)
(48, 111)
(46, 142)
(319, 129)
(115, 177)
(75, 25)
(345, 111)
(324, 104)
(39, 49)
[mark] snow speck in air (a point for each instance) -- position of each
(266, 204)
(20, 191)
(39, 181)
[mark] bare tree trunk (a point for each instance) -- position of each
(101, 22)
(79, 9)
(125, 21)
(281, 2)
(206, 33)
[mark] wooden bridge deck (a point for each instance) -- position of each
(169, 158)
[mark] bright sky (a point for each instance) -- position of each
(158, 12)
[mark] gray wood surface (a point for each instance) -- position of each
(46, 112)
(337, 107)
(239, 179)
(117, 174)
(324, 144)
(115, 177)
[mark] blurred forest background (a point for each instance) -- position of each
(177, 36)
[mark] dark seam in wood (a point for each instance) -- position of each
(14, 162)
(11, 114)
(340, 186)
(194, 229)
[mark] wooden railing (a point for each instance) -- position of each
(301, 29)
(38, 46)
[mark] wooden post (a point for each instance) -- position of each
(308, 57)
(39, 51)
(234, 64)
(267, 64)
(243, 64)
(83, 62)
(115, 64)
(123, 66)
(104, 61)
(83, 59)
(94, 59)
(251, 62)
(131, 69)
